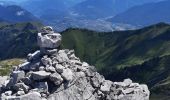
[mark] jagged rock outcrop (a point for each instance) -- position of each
(54, 74)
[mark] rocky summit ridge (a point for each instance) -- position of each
(54, 74)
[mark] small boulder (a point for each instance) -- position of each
(56, 78)
(46, 40)
(48, 52)
(22, 86)
(25, 66)
(97, 80)
(17, 76)
(19, 93)
(29, 96)
(67, 74)
(40, 75)
(62, 56)
(59, 68)
(50, 69)
(106, 85)
(46, 61)
(127, 82)
(34, 56)
(8, 93)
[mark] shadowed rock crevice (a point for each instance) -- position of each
(54, 74)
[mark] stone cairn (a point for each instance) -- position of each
(54, 74)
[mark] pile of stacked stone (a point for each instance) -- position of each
(54, 74)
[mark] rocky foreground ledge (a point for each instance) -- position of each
(54, 74)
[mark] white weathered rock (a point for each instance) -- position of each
(25, 66)
(16, 77)
(19, 93)
(46, 61)
(81, 89)
(62, 56)
(106, 85)
(50, 69)
(59, 68)
(34, 56)
(29, 96)
(41, 68)
(3, 79)
(8, 93)
(56, 78)
(127, 82)
(52, 40)
(97, 80)
(67, 74)
(40, 75)
(145, 91)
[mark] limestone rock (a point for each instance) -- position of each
(97, 80)
(16, 77)
(20, 93)
(106, 85)
(59, 68)
(50, 69)
(127, 82)
(34, 56)
(25, 66)
(67, 74)
(22, 86)
(46, 61)
(56, 78)
(48, 52)
(3, 82)
(62, 56)
(40, 75)
(8, 93)
(52, 40)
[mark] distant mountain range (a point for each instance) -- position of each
(13, 14)
(146, 14)
(93, 9)
(123, 5)
(97, 15)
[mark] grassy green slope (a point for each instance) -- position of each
(119, 49)
(16, 40)
(7, 65)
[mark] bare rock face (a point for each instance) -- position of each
(48, 39)
(53, 74)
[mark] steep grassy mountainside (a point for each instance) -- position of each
(16, 40)
(142, 55)
(119, 49)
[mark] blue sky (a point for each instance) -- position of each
(14, 0)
